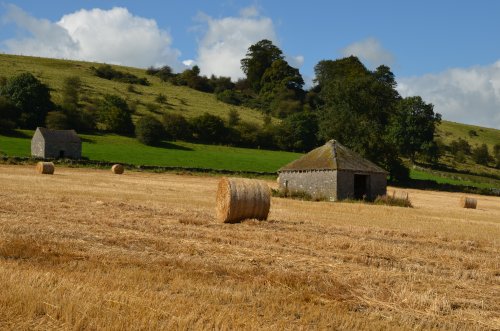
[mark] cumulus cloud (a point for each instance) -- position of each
(113, 36)
(227, 39)
(466, 95)
(370, 51)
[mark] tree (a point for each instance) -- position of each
(259, 57)
(480, 155)
(356, 109)
(233, 117)
(176, 127)
(115, 115)
(298, 132)
(57, 120)
(149, 130)
(31, 97)
(209, 128)
(9, 115)
(71, 92)
(413, 126)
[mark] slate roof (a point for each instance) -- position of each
(332, 156)
(52, 136)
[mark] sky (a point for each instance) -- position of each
(448, 52)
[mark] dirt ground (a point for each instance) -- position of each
(86, 249)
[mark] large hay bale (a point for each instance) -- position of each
(466, 202)
(46, 168)
(239, 199)
(117, 169)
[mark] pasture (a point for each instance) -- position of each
(86, 249)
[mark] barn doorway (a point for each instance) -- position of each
(360, 186)
(61, 154)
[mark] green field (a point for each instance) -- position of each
(113, 148)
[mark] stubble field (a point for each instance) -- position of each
(86, 249)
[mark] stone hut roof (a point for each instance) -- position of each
(59, 136)
(332, 156)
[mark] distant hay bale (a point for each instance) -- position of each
(466, 202)
(402, 195)
(46, 168)
(117, 169)
(239, 199)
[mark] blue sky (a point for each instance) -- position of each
(446, 51)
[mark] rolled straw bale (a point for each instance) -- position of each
(46, 168)
(466, 202)
(117, 169)
(401, 195)
(239, 199)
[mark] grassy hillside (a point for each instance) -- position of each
(475, 135)
(113, 148)
(180, 99)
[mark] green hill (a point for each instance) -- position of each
(180, 99)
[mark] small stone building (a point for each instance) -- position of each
(53, 144)
(334, 172)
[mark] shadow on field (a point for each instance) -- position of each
(171, 145)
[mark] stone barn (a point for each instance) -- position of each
(334, 172)
(53, 144)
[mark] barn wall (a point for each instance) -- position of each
(317, 183)
(37, 145)
(345, 181)
(71, 150)
(378, 185)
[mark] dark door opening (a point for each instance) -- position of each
(360, 186)
(61, 154)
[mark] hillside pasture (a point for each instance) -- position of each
(86, 249)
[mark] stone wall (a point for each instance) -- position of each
(38, 145)
(317, 183)
(71, 150)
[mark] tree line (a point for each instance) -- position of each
(359, 107)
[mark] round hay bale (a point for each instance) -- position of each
(46, 168)
(117, 169)
(239, 199)
(466, 202)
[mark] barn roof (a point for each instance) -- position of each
(332, 156)
(52, 136)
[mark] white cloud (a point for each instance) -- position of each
(466, 95)
(189, 63)
(370, 51)
(227, 39)
(112, 36)
(295, 61)
(251, 11)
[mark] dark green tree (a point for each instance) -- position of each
(298, 132)
(356, 110)
(115, 115)
(480, 155)
(71, 92)
(233, 117)
(149, 130)
(176, 127)
(258, 59)
(413, 126)
(209, 128)
(9, 115)
(57, 120)
(31, 97)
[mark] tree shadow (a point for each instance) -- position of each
(171, 145)
(15, 134)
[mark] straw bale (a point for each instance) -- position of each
(238, 199)
(117, 169)
(467, 202)
(46, 168)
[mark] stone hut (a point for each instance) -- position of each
(53, 144)
(334, 172)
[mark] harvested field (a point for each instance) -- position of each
(85, 249)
